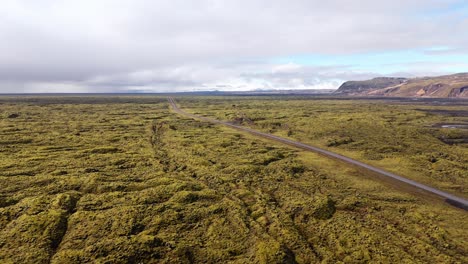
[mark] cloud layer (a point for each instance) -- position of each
(143, 45)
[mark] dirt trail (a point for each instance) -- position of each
(388, 176)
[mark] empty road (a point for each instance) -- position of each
(447, 197)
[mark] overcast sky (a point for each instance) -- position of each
(160, 46)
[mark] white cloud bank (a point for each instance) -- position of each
(143, 45)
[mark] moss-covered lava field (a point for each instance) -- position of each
(124, 179)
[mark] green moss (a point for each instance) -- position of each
(273, 252)
(104, 150)
(324, 208)
(88, 180)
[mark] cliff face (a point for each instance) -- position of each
(363, 87)
(442, 86)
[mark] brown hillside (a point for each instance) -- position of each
(455, 85)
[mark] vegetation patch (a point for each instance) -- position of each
(125, 180)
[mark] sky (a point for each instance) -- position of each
(98, 46)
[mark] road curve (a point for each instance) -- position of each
(447, 197)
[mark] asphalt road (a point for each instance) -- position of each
(447, 197)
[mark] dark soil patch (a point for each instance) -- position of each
(453, 141)
(462, 113)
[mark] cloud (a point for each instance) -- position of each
(118, 45)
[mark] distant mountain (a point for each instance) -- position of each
(455, 85)
(265, 92)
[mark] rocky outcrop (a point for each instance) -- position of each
(459, 92)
